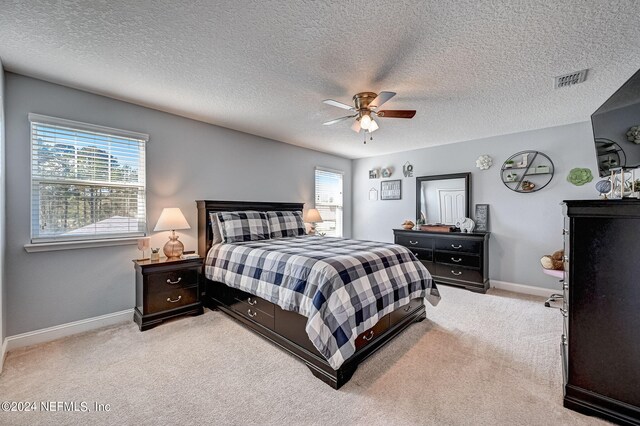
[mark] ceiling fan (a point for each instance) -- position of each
(366, 107)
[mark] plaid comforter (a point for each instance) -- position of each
(342, 286)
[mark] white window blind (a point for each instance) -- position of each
(329, 201)
(87, 182)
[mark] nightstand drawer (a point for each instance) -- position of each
(463, 245)
(163, 301)
(458, 259)
(179, 278)
(414, 241)
(459, 273)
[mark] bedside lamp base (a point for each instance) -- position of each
(312, 229)
(173, 248)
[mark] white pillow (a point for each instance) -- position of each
(215, 227)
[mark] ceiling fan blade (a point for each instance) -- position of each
(337, 120)
(338, 104)
(356, 126)
(381, 98)
(397, 113)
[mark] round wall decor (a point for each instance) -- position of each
(527, 171)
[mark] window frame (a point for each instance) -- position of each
(342, 174)
(36, 243)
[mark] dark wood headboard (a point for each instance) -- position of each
(205, 234)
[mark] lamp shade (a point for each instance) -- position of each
(171, 219)
(312, 216)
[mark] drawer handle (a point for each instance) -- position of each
(456, 273)
(459, 246)
(408, 308)
(251, 313)
(456, 260)
(415, 254)
(413, 242)
(174, 282)
(252, 303)
(174, 301)
(369, 337)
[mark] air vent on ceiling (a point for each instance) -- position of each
(570, 79)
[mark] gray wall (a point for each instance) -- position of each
(3, 311)
(186, 160)
(523, 226)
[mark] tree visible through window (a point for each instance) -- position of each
(87, 181)
(329, 201)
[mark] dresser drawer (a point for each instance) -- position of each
(255, 315)
(166, 300)
(373, 333)
(249, 300)
(422, 254)
(458, 259)
(431, 267)
(461, 245)
(459, 273)
(404, 311)
(414, 241)
(180, 278)
(255, 303)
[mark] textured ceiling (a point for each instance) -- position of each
(471, 69)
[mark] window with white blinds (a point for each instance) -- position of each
(329, 201)
(87, 181)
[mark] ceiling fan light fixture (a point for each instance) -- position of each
(373, 126)
(365, 121)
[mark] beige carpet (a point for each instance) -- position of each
(477, 359)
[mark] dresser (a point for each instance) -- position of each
(452, 258)
(166, 288)
(601, 333)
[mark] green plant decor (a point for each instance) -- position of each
(579, 176)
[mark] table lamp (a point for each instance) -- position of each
(312, 217)
(170, 220)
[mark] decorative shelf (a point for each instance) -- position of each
(534, 160)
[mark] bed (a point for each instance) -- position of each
(325, 310)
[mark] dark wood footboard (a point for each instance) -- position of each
(287, 329)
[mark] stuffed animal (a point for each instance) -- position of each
(554, 261)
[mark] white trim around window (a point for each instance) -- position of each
(88, 185)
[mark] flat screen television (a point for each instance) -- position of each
(616, 128)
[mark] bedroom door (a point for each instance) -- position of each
(451, 202)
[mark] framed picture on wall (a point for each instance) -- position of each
(482, 217)
(391, 190)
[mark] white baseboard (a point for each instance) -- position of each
(524, 289)
(3, 352)
(63, 330)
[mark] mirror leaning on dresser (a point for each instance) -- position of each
(452, 258)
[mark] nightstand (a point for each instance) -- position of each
(166, 288)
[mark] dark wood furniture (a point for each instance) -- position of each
(453, 258)
(601, 340)
(166, 289)
(287, 329)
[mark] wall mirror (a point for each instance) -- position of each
(443, 199)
